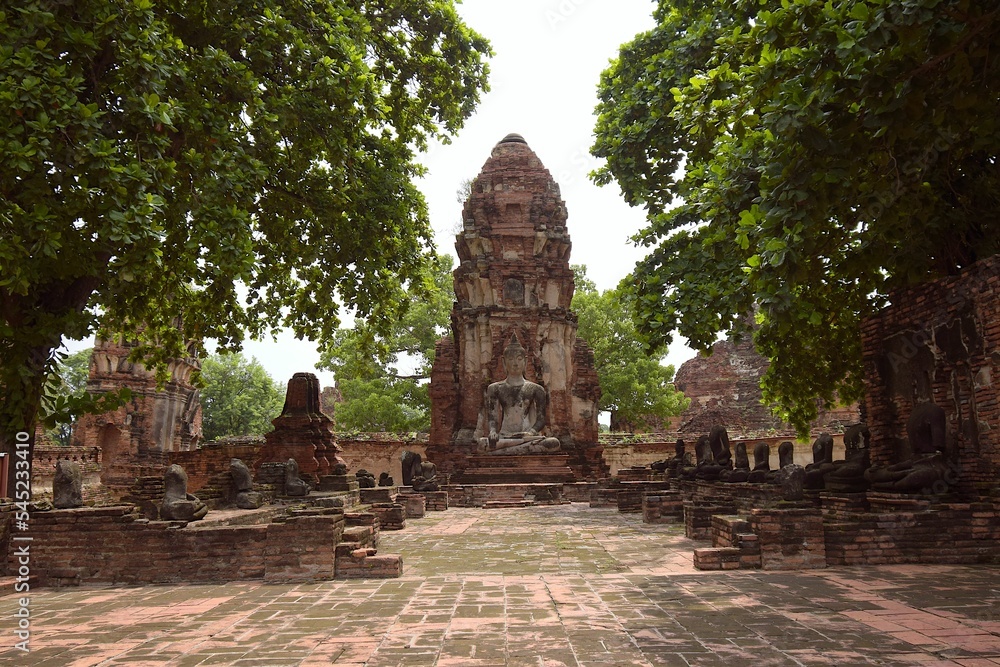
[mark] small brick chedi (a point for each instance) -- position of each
(303, 431)
(514, 285)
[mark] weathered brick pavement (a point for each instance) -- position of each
(536, 587)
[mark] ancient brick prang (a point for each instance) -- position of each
(724, 388)
(513, 279)
(133, 438)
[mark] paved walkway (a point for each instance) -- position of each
(537, 587)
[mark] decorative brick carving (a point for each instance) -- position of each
(514, 278)
(939, 341)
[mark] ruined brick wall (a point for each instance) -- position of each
(724, 388)
(115, 545)
(948, 533)
(43, 469)
(941, 341)
(626, 455)
(375, 452)
(213, 458)
(444, 394)
(380, 452)
(513, 278)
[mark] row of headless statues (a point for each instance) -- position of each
(922, 471)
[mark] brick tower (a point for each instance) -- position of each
(513, 279)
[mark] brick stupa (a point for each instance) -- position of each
(302, 431)
(514, 279)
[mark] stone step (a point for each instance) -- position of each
(358, 536)
(726, 530)
(521, 461)
(496, 504)
(638, 475)
(604, 498)
(515, 475)
(717, 558)
(368, 564)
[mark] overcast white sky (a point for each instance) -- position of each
(548, 58)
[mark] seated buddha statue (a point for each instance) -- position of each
(515, 411)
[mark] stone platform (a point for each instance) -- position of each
(505, 495)
(522, 469)
(555, 586)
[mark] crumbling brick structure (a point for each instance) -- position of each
(514, 278)
(302, 431)
(134, 438)
(724, 388)
(939, 341)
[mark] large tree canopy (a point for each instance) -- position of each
(636, 388)
(154, 156)
(800, 160)
(382, 374)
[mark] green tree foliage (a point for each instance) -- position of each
(635, 386)
(383, 404)
(68, 384)
(155, 156)
(834, 151)
(238, 397)
(378, 396)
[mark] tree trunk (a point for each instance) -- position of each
(38, 322)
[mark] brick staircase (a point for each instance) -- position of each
(357, 553)
(534, 468)
(734, 546)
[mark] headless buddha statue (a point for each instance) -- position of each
(926, 432)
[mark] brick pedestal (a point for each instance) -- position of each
(662, 508)
(437, 501)
(416, 505)
(698, 518)
(790, 539)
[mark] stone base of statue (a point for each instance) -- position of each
(347, 483)
(519, 446)
(520, 469)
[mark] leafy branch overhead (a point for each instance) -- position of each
(156, 156)
(800, 160)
